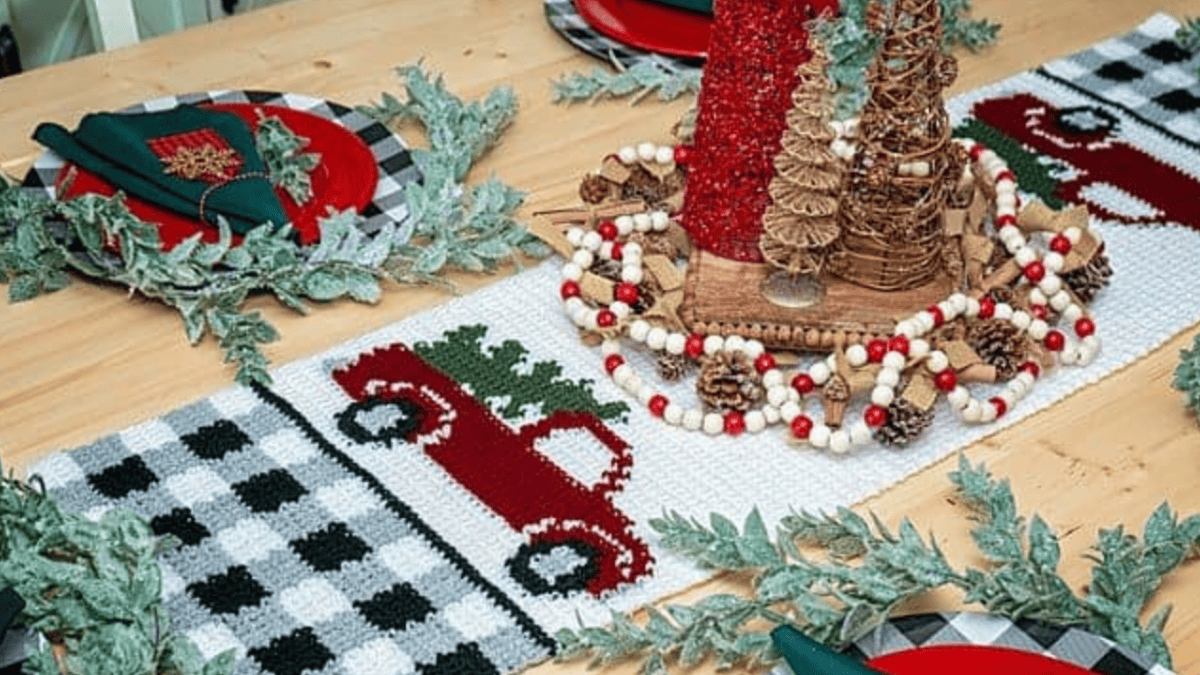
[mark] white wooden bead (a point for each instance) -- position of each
(735, 343)
(584, 258)
(1086, 356)
(1038, 329)
(755, 421)
(1021, 319)
(592, 240)
(676, 342)
(580, 316)
(1037, 297)
(589, 319)
(610, 346)
(958, 302)
(958, 397)
(1053, 261)
(639, 330)
(633, 259)
(573, 304)
(692, 419)
(1005, 202)
(673, 413)
(819, 436)
(917, 348)
(860, 433)
(839, 442)
(621, 374)
(657, 338)
(883, 396)
(856, 355)
(937, 361)
(713, 424)
(1008, 397)
(1007, 232)
(771, 414)
(819, 372)
(972, 308)
(664, 154)
(575, 236)
(1025, 255)
(894, 360)
(924, 321)
(777, 396)
(753, 348)
(773, 378)
(631, 274)
(919, 169)
(1050, 284)
(1025, 378)
(628, 154)
(1072, 313)
(972, 411)
(1091, 342)
(1004, 311)
(888, 377)
(571, 272)
(642, 222)
(659, 221)
(987, 413)
(606, 250)
(624, 226)
(646, 151)
(948, 311)
(713, 344)
(1060, 301)
(789, 411)
(632, 249)
(645, 394)
(621, 309)
(906, 328)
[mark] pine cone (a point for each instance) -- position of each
(609, 269)
(1088, 280)
(728, 381)
(642, 185)
(905, 422)
(672, 367)
(1000, 344)
(595, 188)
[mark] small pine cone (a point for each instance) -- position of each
(609, 269)
(1088, 280)
(904, 423)
(673, 367)
(1003, 294)
(642, 185)
(728, 381)
(1000, 344)
(595, 188)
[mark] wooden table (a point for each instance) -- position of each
(90, 360)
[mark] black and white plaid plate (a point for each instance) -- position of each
(1073, 645)
(564, 18)
(395, 163)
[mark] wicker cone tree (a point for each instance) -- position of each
(900, 179)
(801, 221)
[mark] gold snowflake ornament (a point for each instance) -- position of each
(200, 162)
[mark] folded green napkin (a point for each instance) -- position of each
(178, 159)
(11, 605)
(806, 656)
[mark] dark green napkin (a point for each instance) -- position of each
(134, 152)
(702, 6)
(11, 605)
(806, 656)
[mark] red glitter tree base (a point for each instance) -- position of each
(746, 93)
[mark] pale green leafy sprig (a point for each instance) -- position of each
(869, 571)
(1188, 36)
(287, 167)
(644, 78)
(1187, 374)
(94, 587)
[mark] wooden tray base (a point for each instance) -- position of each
(722, 297)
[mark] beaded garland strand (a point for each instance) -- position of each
(906, 347)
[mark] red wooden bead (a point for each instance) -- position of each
(875, 415)
(1032, 368)
(626, 292)
(618, 250)
(1085, 327)
(999, 404)
(1006, 174)
(606, 318)
(1039, 311)
(803, 383)
(607, 230)
(657, 404)
(876, 349)
(612, 362)
(1055, 341)
(683, 154)
(694, 346)
(735, 423)
(1060, 244)
(898, 343)
(1035, 271)
(946, 380)
(976, 152)
(570, 289)
(987, 308)
(802, 426)
(764, 362)
(938, 317)
(1005, 219)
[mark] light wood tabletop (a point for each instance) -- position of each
(90, 359)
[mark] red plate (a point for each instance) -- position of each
(345, 178)
(649, 25)
(972, 659)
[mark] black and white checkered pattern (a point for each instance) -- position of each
(563, 17)
(291, 554)
(396, 168)
(1145, 72)
(1073, 645)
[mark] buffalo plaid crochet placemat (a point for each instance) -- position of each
(442, 495)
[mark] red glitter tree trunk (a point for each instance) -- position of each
(755, 48)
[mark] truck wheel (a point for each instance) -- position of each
(380, 420)
(558, 568)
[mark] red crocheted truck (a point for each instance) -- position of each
(503, 469)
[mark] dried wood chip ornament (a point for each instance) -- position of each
(915, 272)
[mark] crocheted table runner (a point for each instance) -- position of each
(504, 491)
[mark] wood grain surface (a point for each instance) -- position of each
(91, 359)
